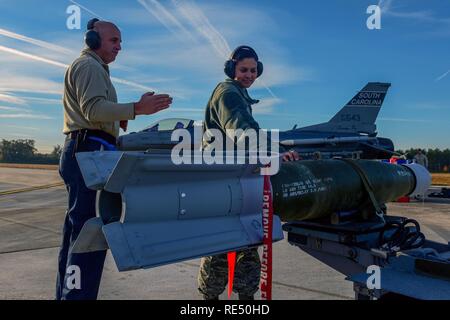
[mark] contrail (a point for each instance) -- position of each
(42, 44)
(42, 100)
(24, 116)
(12, 99)
(63, 65)
(33, 57)
(57, 48)
(267, 88)
(35, 90)
(11, 109)
(409, 120)
(201, 23)
(87, 10)
(133, 84)
(442, 76)
(186, 110)
(166, 18)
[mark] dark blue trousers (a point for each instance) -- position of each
(81, 207)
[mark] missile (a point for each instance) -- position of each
(151, 211)
(334, 140)
(315, 189)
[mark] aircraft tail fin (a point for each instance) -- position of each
(360, 113)
(362, 110)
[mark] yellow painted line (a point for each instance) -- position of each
(52, 185)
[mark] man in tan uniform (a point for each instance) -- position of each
(92, 118)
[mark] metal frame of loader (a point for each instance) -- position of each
(351, 247)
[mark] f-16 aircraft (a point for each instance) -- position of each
(351, 133)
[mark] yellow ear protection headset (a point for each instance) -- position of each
(236, 55)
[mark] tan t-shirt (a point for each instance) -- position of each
(90, 100)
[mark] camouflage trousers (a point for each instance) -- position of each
(213, 274)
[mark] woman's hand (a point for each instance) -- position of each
(291, 155)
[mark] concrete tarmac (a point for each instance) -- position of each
(30, 234)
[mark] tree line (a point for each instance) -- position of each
(438, 160)
(24, 151)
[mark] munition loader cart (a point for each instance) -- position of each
(388, 260)
(151, 211)
(384, 256)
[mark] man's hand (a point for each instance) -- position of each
(151, 103)
(291, 155)
(124, 125)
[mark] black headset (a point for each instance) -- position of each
(230, 65)
(92, 37)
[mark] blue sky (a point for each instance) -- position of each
(316, 54)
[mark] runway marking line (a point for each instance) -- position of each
(52, 185)
(331, 294)
(32, 226)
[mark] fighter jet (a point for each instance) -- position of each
(351, 133)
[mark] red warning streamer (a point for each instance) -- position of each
(266, 262)
(231, 263)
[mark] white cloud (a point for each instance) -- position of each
(385, 5)
(195, 16)
(266, 106)
(133, 84)
(200, 54)
(62, 65)
(25, 116)
(12, 99)
(39, 43)
(22, 127)
(88, 10)
(277, 74)
(411, 120)
(15, 109)
(247, 23)
(130, 16)
(167, 19)
(18, 83)
(146, 79)
(19, 135)
(185, 13)
(32, 57)
(188, 110)
(53, 47)
(430, 106)
(43, 100)
(424, 15)
(177, 57)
